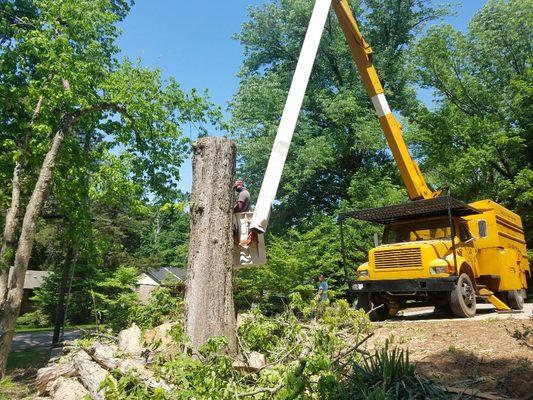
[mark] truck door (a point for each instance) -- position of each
(466, 247)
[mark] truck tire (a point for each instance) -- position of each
(463, 298)
(368, 302)
(515, 299)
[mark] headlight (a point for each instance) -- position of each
(363, 273)
(437, 270)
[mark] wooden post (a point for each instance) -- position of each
(209, 307)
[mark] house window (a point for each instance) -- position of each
(482, 228)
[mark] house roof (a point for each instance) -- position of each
(33, 279)
(171, 274)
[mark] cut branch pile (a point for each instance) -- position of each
(80, 371)
(279, 357)
(87, 370)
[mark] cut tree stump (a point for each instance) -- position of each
(209, 308)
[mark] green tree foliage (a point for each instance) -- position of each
(113, 197)
(124, 241)
(478, 139)
(298, 257)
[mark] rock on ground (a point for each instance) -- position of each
(160, 334)
(68, 389)
(129, 341)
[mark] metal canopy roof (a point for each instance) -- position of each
(436, 207)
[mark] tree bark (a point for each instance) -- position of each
(9, 312)
(60, 306)
(209, 307)
(7, 251)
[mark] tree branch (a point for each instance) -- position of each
(103, 106)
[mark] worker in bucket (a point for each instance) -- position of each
(243, 197)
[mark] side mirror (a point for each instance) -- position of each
(376, 240)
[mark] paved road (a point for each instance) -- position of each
(484, 311)
(23, 341)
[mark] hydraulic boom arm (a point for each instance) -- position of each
(362, 54)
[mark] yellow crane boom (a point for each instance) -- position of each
(362, 54)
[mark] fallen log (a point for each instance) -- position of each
(103, 354)
(91, 374)
(129, 341)
(47, 375)
(68, 389)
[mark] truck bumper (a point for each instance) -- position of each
(406, 285)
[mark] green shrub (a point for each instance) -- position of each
(163, 306)
(388, 375)
(34, 319)
(126, 309)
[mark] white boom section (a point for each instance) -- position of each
(289, 117)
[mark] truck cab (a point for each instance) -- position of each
(444, 253)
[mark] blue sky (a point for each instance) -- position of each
(192, 41)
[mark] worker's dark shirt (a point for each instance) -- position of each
(244, 197)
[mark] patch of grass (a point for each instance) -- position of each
(50, 328)
(31, 330)
(452, 349)
(11, 389)
(22, 367)
(29, 358)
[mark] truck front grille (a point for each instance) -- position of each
(398, 258)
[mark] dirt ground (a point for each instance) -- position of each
(479, 354)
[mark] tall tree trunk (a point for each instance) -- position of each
(209, 307)
(60, 306)
(7, 251)
(11, 308)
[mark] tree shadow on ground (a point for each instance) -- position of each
(509, 377)
(22, 366)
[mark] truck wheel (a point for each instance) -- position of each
(515, 300)
(368, 302)
(463, 298)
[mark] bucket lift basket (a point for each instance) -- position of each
(250, 255)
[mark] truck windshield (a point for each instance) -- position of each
(413, 231)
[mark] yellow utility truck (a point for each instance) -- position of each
(444, 253)
(435, 249)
